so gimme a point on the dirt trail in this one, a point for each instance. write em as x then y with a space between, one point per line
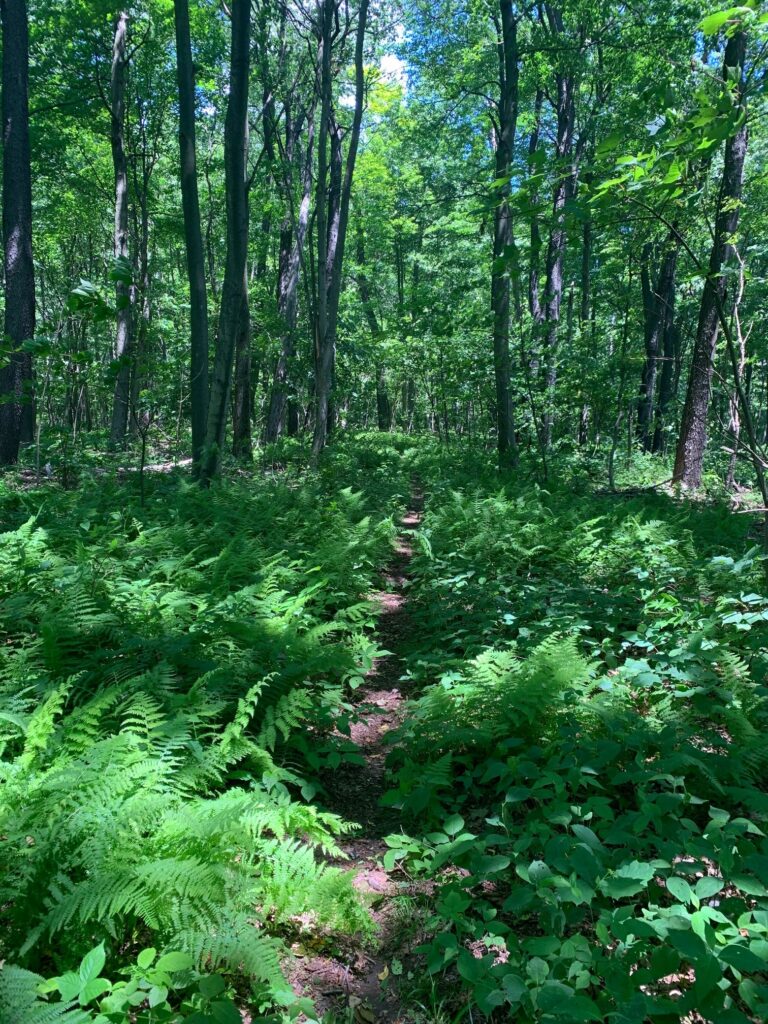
351 980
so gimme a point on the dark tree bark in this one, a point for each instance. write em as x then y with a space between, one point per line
383 404
193 235
234 297
656 302
534 299
509 75
123 289
668 377
293 234
563 190
16 408
692 441
332 210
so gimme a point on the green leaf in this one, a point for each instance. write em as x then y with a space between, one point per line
555 998
470 968
680 889
93 989
628 880
172 962
489 865
708 886
69 985
211 985
92 964
146 958
537 969
714 22
226 1013
453 825
586 835
741 958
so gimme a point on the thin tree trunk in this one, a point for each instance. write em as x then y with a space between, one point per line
656 300
509 75
383 404
292 241
565 111
198 297
234 300
16 406
333 218
667 380
124 333
534 299
734 412
692 441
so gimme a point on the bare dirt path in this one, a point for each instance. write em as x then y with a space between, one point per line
357 978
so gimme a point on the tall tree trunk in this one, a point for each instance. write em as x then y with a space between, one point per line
332 216
563 190
293 235
193 235
123 288
509 75
668 377
383 404
692 440
234 295
534 299
734 412
16 408
656 300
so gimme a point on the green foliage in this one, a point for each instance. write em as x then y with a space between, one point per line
159 669
588 756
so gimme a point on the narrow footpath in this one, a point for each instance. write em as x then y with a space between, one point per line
356 981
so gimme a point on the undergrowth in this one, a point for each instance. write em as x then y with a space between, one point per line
160 669
584 768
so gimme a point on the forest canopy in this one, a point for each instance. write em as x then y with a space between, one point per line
383 511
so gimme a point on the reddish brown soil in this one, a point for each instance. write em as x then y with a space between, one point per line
351 979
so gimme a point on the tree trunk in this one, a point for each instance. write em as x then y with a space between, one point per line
671 355
563 190
332 213
656 302
692 441
534 299
509 75
383 404
16 400
193 235
234 297
734 412
123 288
292 240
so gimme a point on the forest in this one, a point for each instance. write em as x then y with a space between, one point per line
384 512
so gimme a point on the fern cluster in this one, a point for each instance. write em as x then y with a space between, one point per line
155 667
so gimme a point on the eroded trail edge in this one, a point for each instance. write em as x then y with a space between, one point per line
356 977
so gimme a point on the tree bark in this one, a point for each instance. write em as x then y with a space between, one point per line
656 302
534 299
332 212
692 441
234 297
563 190
667 380
124 333
193 235
383 404
293 235
16 399
509 75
